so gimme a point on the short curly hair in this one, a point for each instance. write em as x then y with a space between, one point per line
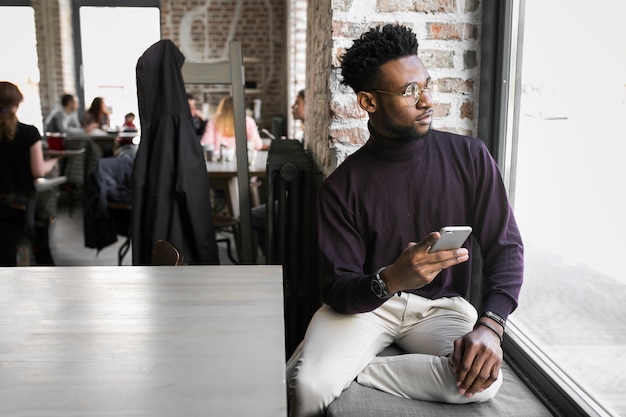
361 63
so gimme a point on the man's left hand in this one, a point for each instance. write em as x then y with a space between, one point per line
477 360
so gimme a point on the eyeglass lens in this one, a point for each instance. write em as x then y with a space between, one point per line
413 92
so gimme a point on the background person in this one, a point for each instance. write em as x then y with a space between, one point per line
379 284
65 119
298 109
199 122
220 130
21 162
129 122
96 119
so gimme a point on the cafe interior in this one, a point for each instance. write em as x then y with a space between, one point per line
129 313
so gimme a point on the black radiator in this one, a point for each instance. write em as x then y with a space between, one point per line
291 238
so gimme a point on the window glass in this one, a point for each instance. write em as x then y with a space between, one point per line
569 194
113 39
19 63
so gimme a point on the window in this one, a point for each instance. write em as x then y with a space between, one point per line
566 183
18 44
112 40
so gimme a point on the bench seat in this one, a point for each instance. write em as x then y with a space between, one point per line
514 399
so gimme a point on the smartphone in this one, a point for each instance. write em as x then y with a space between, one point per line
452 237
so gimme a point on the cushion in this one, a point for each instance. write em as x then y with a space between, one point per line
513 399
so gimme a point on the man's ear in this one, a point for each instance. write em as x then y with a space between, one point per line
367 101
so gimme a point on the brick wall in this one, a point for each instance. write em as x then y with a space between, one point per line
202 30
55 49
448 32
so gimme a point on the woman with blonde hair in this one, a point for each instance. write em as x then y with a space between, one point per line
220 129
21 162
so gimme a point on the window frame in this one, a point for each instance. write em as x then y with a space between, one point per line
16 3
500 78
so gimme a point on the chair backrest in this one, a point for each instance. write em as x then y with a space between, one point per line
164 253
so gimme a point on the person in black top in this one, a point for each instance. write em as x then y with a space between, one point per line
21 162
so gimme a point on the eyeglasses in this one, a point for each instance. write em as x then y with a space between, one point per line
412 93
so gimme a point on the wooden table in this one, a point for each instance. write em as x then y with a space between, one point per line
142 341
223 169
223 176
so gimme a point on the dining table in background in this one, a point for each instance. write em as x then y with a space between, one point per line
111 142
223 176
142 341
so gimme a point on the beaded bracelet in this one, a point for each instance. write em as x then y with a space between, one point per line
489 326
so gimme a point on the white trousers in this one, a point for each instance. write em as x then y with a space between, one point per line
338 348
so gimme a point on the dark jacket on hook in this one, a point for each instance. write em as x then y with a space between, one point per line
171 198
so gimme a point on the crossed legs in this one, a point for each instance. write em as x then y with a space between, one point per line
338 348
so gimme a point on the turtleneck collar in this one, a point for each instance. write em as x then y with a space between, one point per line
394 150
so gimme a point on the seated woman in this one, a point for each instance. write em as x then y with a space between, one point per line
96 120
21 162
220 130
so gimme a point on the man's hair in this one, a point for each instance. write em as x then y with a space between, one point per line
66 99
362 61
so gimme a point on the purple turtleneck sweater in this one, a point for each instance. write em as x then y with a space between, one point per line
391 192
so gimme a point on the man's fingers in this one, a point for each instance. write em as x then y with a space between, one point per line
483 377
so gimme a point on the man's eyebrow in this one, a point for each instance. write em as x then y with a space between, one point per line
428 80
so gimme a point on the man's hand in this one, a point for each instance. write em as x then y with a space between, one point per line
415 267
477 359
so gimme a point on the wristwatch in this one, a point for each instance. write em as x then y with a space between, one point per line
379 288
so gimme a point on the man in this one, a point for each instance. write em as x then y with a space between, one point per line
379 286
199 122
298 109
64 120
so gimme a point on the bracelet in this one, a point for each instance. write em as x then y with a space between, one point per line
493 316
489 326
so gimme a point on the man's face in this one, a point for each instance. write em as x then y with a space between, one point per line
297 110
393 117
73 105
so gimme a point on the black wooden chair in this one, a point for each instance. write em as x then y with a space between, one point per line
166 254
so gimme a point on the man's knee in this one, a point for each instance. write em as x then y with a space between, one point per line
456 398
312 389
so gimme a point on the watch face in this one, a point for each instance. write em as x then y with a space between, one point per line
377 288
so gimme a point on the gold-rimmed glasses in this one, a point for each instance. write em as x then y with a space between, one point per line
412 93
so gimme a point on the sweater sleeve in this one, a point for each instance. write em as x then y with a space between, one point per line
499 238
345 284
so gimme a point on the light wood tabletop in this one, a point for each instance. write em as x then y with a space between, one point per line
142 341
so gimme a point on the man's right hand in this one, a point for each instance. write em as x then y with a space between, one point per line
415 267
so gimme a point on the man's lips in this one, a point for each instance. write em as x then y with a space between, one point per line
425 117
